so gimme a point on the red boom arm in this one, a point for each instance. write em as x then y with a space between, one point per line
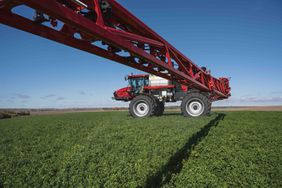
105 28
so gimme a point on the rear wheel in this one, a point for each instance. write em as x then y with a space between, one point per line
141 106
195 105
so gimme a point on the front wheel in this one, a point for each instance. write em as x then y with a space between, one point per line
159 109
141 106
195 105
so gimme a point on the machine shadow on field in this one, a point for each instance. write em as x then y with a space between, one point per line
175 163
170 113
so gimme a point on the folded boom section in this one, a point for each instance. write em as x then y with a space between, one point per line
105 28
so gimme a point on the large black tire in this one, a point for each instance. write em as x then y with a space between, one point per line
142 106
159 109
209 108
195 105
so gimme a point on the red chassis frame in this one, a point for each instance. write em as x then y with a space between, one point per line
124 38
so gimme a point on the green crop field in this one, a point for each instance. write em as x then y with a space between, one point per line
230 149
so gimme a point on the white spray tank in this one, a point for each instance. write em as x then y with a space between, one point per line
158 81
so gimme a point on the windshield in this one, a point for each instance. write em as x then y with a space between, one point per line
138 83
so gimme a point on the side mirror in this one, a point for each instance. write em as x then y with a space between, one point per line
126 78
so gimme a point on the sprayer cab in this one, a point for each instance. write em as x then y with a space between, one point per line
136 84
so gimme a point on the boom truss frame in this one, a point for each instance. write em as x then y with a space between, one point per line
107 29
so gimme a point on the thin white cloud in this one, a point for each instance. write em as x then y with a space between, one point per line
11 101
261 99
48 96
60 98
277 93
22 96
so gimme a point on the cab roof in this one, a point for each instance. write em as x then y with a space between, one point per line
139 76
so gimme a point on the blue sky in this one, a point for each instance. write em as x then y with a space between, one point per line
239 39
